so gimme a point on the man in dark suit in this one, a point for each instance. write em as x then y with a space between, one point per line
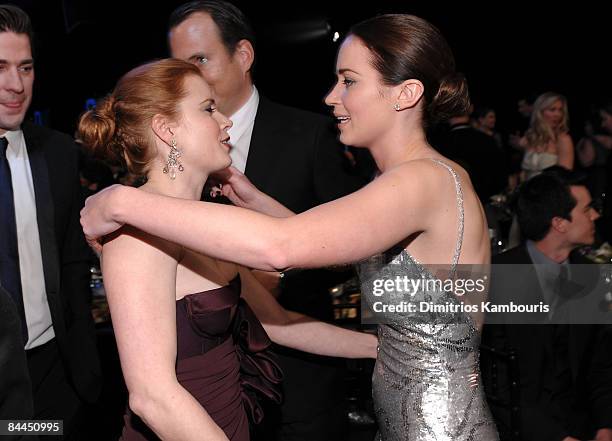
15 387
43 255
478 153
564 369
293 156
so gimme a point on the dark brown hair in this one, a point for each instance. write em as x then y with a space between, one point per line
232 23
117 128
407 47
14 19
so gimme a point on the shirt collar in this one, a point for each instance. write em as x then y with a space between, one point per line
544 264
244 117
15 140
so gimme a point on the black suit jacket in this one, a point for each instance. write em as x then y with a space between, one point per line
295 157
481 157
15 387
54 165
589 348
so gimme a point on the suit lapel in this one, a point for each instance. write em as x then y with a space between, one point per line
538 337
532 278
45 217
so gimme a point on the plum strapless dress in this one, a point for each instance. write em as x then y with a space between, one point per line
223 360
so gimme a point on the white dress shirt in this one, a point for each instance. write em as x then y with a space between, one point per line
38 315
242 130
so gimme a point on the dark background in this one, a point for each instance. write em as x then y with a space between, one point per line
506 49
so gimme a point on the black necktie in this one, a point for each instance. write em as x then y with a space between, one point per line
10 277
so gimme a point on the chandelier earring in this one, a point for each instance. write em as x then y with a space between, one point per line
173 163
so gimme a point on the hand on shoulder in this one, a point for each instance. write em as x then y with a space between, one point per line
98 216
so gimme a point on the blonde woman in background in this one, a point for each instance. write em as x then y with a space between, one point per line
547 141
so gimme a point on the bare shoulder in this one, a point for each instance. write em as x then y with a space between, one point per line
130 242
425 187
139 269
428 175
413 171
404 184
565 139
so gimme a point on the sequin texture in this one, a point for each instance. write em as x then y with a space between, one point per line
421 383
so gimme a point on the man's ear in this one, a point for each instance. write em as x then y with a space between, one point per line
245 55
560 224
409 94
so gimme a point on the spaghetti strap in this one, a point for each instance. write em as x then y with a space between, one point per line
460 211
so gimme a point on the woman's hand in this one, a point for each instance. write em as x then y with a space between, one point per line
97 216
235 186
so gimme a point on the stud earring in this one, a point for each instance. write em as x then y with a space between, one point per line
397 107
173 163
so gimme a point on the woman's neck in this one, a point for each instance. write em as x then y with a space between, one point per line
394 151
184 186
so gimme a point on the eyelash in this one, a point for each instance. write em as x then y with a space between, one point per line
348 82
201 60
211 109
24 69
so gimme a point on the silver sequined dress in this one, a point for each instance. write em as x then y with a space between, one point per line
421 382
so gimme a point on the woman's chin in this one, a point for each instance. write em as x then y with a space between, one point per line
344 138
221 165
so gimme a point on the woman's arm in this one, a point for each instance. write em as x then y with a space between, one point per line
346 230
297 331
565 150
140 279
